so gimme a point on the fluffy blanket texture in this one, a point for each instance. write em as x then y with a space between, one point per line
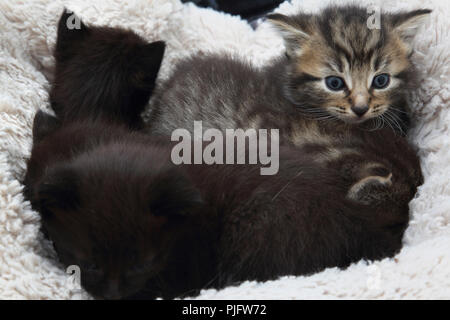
28 266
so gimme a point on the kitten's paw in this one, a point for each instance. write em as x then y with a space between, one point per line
373 187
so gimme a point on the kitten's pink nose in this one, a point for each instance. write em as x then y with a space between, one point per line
360 110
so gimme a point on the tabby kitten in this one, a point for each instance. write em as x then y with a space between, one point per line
335 68
138 226
338 86
88 86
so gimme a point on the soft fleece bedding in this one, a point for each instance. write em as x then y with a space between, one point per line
28 266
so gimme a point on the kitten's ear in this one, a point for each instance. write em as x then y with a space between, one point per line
174 195
70 30
152 55
293 33
43 125
58 190
406 24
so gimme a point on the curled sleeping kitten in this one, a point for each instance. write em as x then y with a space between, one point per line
140 227
335 69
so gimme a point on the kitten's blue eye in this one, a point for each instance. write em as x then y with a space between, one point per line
381 81
335 83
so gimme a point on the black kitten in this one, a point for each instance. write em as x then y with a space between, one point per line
103 72
110 201
336 76
247 9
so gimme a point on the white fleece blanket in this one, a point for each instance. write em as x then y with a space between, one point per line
28 267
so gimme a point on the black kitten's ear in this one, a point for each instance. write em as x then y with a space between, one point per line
152 55
70 29
174 195
293 31
58 190
43 125
406 24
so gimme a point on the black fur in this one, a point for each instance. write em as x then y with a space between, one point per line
103 72
140 227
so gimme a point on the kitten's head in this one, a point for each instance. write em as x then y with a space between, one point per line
116 214
341 68
102 71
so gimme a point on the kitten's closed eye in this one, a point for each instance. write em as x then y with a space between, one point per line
90 267
140 269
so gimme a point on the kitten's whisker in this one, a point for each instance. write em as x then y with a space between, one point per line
395 108
382 120
287 184
314 111
393 122
377 125
394 118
